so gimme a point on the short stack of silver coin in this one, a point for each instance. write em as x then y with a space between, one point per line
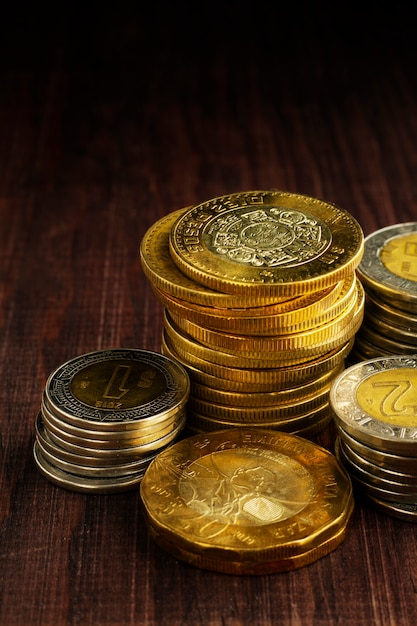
105 415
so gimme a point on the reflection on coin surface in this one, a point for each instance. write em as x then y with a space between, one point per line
389 263
117 389
267 242
247 495
375 402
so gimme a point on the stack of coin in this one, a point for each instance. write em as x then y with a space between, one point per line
388 272
261 306
247 501
105 415
374 403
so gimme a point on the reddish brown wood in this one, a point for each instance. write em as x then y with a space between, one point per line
109 119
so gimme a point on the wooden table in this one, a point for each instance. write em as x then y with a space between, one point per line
109 121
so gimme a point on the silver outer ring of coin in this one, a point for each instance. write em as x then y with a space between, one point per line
82 484
60 397
360 424
385 460
371 269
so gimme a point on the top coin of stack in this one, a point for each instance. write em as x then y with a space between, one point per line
261 305
388 272
105 415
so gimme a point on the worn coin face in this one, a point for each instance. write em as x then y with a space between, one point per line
117 389
266 242
389 264
375 401
247 495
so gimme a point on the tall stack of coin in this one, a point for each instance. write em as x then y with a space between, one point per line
247 501
388 272
261 305
374 403
105 415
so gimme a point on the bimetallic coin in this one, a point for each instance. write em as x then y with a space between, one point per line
159 268
267 243
375 400
403 511
389 264
117 389
247 496
84 484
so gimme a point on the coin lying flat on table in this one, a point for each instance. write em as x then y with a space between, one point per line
246 501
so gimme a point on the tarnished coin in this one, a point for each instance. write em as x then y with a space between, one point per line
403 511
389 264
117 389
269 243
375 401
250 498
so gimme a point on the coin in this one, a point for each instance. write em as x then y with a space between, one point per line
389 264
269 243
403 511
159 268
118 389
247 497
84 484
374 402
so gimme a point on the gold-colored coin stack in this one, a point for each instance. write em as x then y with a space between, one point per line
105 415
374 404
247 501
261 306
388 272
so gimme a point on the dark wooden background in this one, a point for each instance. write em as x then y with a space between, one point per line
111 116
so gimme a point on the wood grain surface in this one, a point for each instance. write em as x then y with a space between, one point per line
110 118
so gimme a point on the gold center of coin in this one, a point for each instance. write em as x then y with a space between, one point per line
399 256
390 396
247 487
117 384
271 236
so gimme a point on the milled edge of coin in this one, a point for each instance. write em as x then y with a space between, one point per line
360 424
332 263
62 401
161 271
374 273
166 479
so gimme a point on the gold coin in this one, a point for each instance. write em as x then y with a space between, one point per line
303 344
246 496
272 321
118 389
255 379
160 269
291 423
258 414
374 401
270 243
389 264
265 398
207 560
